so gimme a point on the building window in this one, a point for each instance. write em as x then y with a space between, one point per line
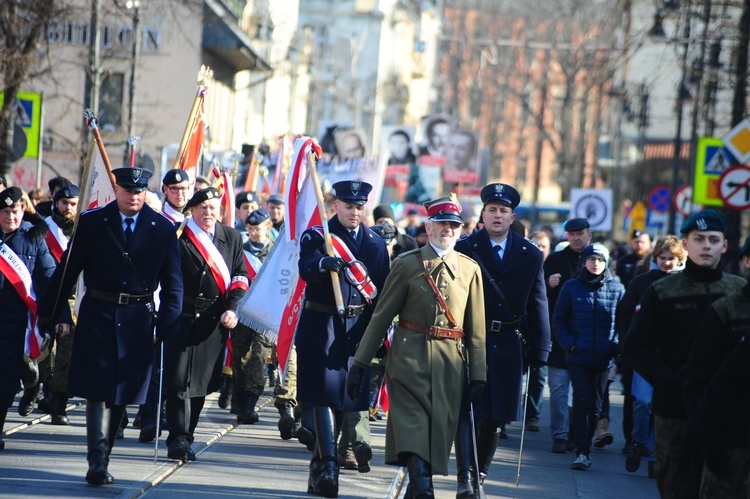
110 101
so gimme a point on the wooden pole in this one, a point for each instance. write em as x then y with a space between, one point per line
326 235
203 75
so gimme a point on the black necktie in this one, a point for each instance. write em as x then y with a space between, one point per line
353 234
128 229
498 251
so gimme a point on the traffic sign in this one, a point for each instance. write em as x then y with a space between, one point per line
659 199
28 115
737 140
734 187
638 217
683 201
594 205
711 160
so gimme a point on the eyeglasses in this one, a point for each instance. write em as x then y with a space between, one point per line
175 190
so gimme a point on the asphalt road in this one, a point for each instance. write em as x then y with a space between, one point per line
44 460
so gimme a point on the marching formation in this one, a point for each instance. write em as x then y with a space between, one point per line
141 307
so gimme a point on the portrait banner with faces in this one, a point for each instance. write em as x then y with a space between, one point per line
461 151
435 131
368 169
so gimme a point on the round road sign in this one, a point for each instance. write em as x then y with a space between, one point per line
658 199
683 201
734 187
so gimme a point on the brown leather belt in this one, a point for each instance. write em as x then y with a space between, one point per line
199 302
119 298
501 326
436 331
350 311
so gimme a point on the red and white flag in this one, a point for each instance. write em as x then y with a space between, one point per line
96 188
227 196
190 158
278 286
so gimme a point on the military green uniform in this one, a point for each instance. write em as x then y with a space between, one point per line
426 374
251 350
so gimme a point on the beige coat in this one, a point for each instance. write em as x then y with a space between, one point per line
425 375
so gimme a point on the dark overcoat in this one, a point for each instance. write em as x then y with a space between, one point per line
28 243
326 343
195 355
113 346
520 277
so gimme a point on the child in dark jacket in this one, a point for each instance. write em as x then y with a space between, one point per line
585 327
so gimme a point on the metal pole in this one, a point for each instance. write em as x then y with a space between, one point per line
681 90
523 427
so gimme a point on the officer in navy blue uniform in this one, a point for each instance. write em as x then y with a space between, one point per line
518 330
126 251
326 342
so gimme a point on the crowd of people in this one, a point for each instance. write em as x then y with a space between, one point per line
453 316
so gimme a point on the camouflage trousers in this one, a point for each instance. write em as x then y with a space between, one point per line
250 353
734 481
54 369
671 480
286 391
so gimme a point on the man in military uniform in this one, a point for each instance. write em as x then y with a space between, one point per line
175 186
215 279
558 268
244 203
276 208
325 340
518 327
383 214
61 223
662 334
437 294
126 251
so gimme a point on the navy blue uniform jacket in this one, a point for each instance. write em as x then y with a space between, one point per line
113 345
326 343
520 277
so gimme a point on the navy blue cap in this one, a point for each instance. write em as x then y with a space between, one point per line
500 193
245 197
68 192
175 176
132 179
257 217
203 195
385 230
705 220
10 196
352 191
576 224
276 199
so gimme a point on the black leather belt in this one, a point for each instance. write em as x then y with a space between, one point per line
199 302
120 298
350 311
501 327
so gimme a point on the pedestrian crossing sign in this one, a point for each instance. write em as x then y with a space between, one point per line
27 112
711 160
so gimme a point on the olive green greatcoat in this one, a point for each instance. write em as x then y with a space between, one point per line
425 375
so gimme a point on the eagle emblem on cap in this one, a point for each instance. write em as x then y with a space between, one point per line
356 186
499 188
177 177
136 174
8 200
209 195
701 224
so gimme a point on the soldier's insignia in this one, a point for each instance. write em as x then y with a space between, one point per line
499 188
702 225
178 177
209 195
136 174
8 201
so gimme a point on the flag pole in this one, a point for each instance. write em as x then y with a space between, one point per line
203 75
326 235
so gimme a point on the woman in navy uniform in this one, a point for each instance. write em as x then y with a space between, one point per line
326 342
518 328
195 356
126 251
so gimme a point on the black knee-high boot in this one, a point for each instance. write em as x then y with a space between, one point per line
465 472
97 441
420 478
487 438
325 435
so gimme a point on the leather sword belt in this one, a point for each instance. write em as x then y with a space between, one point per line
436 331
350 311
120 298
199 302
503 326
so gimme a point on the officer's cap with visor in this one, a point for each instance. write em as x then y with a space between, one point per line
445 209
500 193
132 179
352 191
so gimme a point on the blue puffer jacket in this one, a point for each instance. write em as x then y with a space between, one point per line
584 318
